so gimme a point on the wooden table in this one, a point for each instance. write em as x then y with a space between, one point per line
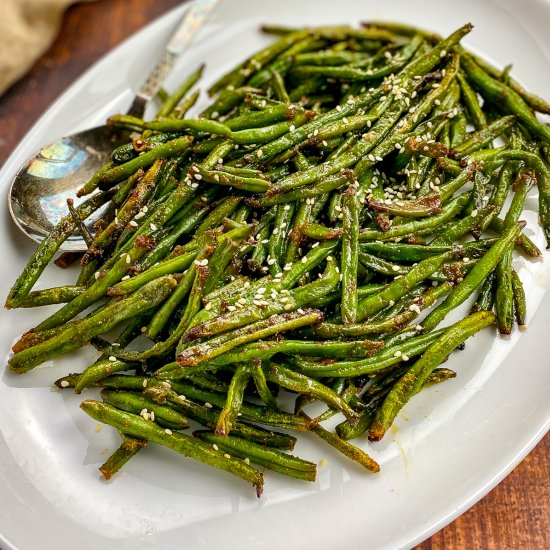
514 515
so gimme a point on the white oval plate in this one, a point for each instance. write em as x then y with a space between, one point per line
452 444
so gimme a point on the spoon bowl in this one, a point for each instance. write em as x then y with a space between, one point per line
39 192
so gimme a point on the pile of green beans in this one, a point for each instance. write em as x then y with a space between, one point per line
305 235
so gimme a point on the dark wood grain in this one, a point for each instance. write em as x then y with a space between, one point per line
516 514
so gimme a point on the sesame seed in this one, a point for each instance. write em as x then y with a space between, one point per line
128 258
231 308
208 306
288 307
96 275
292 128
405 357
226 455
338 108
134 223
271 261
208 405
152 226
247 460
304 259
125 278
397 354
145 383
168 431
64 384
474 213
465 259
215 447
443 53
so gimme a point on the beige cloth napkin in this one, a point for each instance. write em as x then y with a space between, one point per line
27 28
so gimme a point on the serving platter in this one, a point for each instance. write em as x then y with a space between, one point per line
451 444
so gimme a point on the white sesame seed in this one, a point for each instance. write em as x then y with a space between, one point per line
208 405
247 460
152 226
134 223
64 384
474 213
128 258
168 431
405 357
231 308
271 261
465 259
96 275
288 307
397 354
215 447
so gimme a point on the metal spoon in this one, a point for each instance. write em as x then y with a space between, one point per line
38 194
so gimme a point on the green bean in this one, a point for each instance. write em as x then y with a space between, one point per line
48 247
138 427
150 295
482 138
484 266
273 460
349 450
413 380
349 259
208 417
448 211
123 171
169 105
137 404
385 358
372 304
473 107
332 330
201 353
520 306
49 296
503 97
128 448
486 297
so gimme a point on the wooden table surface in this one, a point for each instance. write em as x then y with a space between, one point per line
516 514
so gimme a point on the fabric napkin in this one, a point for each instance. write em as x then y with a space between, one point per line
27 28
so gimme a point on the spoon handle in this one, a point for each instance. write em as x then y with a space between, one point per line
186 30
